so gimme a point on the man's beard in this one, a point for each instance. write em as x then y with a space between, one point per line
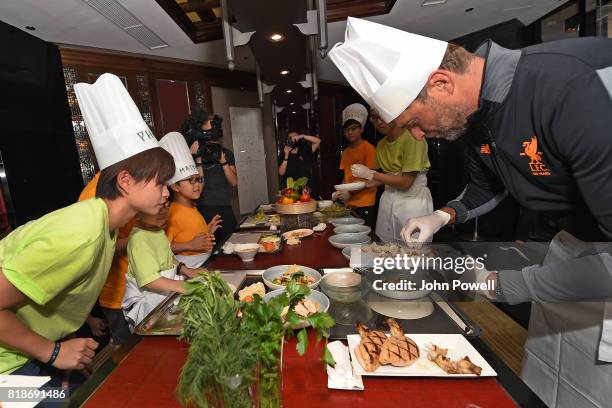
451 121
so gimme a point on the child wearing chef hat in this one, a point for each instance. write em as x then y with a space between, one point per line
53 268
153 271
192 239
361 152
378 62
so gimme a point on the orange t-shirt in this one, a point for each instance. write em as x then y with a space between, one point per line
364 153
90 189
114 287
184 223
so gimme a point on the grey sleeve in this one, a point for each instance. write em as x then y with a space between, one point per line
483 192
587 278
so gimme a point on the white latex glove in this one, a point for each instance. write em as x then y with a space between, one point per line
482 275
427 225
341 195
361 171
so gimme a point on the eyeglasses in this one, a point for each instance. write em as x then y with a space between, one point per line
194 179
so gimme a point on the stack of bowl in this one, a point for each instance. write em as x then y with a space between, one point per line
348 232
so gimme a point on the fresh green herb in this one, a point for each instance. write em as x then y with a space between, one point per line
223 356
265 322
225 350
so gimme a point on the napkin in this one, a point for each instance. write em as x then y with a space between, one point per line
360 259
320 227
342 377
228 248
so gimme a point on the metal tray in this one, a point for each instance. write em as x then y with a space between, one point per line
165 319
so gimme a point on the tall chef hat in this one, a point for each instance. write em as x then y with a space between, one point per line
175 144
355 111
386 66
116 128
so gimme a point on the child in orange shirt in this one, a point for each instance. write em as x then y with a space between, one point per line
191 238
358 151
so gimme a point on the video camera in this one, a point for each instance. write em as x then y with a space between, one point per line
192 131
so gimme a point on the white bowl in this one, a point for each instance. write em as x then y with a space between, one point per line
348 240
353 229
246 252
314 295
347 253
358 185
271 273
338 222
324 203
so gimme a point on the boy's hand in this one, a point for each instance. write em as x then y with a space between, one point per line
190 272
76 354
97 325
202 242
215 224
194 147
209 242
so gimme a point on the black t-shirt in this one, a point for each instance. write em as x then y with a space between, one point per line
299 164
217 189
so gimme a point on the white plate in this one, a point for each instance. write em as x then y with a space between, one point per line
400 309
347 221
315 295
358 185
347 253
458 347
269 274
298 233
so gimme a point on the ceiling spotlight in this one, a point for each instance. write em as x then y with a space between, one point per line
293 112
292 103
289 91
284 72
276 37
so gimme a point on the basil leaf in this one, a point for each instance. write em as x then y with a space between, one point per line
302 345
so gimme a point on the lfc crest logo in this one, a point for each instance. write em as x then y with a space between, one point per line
535 158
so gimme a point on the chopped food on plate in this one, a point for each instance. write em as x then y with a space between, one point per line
368 351
301 278
398 350
303 308
248 292
376 349
269 243
463 366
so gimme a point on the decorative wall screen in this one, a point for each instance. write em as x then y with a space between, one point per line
142 98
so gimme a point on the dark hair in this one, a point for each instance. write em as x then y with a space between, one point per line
144 166
351 122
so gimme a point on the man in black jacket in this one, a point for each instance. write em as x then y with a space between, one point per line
539 120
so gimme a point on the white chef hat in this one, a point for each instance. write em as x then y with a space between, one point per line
386 66
175 144
355 111
116 128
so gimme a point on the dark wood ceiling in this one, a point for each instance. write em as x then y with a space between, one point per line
201 19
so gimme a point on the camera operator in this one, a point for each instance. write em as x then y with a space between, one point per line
203 134
296 160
